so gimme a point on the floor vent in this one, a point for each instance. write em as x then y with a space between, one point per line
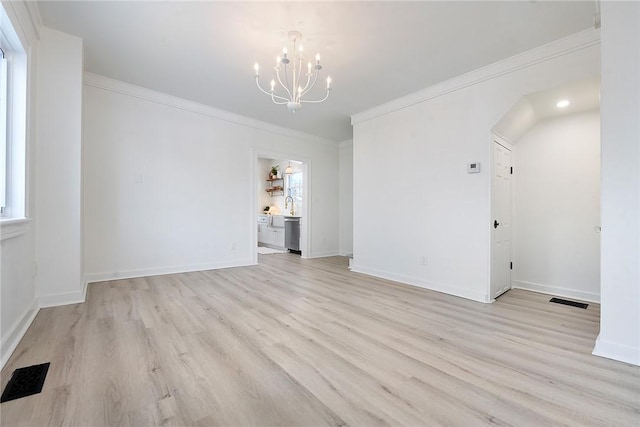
568 302
25 382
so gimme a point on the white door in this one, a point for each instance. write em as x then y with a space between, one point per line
501 221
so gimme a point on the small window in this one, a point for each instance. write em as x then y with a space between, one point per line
13 113
294 188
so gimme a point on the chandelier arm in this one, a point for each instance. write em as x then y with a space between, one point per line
280 80
286 101
294 86
318 100
297 85
286 80
307 88
271 94
259 87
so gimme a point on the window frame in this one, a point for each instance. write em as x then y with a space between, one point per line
13 107
298 189
4 107
14 221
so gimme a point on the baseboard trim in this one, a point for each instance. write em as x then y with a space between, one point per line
421 283
553 290
56 300
17 331
615 351
66 298
268 245
159 271
322 254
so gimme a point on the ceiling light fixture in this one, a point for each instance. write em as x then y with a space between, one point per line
288 170
562 104
291 79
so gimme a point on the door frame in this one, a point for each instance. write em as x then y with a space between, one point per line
496 138
305 228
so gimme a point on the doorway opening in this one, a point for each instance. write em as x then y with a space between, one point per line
281 203
545 194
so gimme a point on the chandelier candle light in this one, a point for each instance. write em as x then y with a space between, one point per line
292 85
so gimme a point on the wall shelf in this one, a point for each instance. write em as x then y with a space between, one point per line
275 189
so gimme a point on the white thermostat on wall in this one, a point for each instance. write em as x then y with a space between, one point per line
473 167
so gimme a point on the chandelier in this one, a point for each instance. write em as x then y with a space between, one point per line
290 77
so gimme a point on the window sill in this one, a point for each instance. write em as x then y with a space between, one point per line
13 227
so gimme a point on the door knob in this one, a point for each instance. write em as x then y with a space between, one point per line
495 223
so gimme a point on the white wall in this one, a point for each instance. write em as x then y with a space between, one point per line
58 178
413 197
620 108
346 197
169 186
556 207
264 199
517 121
18 303
17 290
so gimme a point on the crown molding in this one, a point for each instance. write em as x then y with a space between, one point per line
34 17
555 49
117 86
25 17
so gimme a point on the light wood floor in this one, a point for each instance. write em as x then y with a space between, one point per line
296 342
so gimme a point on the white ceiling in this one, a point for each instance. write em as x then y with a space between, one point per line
583 95
373 51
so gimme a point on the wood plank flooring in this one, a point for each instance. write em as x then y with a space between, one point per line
295 342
